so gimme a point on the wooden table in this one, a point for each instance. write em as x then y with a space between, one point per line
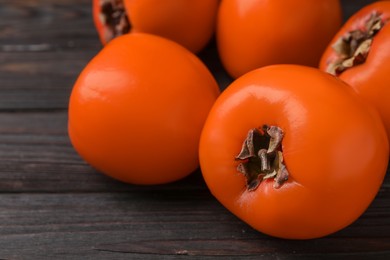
55 206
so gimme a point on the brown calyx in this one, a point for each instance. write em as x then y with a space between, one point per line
114 17
261 157
354 47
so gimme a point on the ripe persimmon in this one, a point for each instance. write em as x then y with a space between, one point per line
137 109
190 23
359 54
293 151
256 33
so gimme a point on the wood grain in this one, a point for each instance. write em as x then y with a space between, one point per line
163 222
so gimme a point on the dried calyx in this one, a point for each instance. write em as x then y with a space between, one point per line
113 16
261 157
352 49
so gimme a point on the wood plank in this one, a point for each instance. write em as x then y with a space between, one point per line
43 47
162 223
39 81
46 25
36 155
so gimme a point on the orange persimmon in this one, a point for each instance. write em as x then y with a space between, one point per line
359 54
190 23
137 109
256 33
293 151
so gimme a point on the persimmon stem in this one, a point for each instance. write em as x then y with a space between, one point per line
261 157
265 164
353 48
114 16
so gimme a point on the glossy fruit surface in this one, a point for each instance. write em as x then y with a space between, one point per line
137 109
359 54
293 152
256 33
190 23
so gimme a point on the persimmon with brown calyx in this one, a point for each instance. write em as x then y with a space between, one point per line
359 54
190 23
293 152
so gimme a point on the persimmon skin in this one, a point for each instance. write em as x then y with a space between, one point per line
252 34
137 109
371 78
335 149
190 23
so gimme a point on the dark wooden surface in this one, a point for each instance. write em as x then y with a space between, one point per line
55 206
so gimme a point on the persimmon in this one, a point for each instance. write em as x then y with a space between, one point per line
190 23
293 152
359 54
137 109
256 33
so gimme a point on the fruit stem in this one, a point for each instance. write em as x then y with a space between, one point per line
353 48
113 15
261 157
